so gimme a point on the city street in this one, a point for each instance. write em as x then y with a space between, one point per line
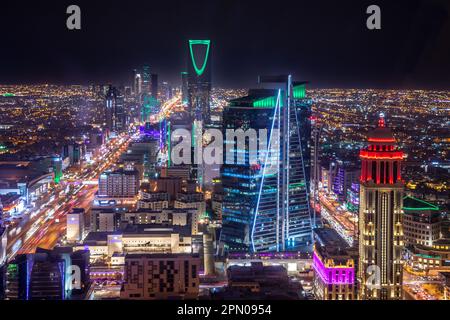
46 226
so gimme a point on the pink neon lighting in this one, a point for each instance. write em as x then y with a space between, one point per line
336 275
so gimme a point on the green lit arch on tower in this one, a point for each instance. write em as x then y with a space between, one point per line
207 43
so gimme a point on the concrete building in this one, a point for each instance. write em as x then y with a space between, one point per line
161 276
259 281
431 258
155 201
139 238
334 277
192 201
172 186
120 183
421 222
75 225
105 220
176 217
334 266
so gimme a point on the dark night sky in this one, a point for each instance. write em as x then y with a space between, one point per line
325 42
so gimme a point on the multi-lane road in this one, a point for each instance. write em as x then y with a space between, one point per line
45 226
343 221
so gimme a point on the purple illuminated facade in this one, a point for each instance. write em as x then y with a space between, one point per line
334 277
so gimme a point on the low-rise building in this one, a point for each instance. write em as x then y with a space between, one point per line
334 266
139 238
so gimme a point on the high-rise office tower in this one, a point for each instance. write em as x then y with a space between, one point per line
199 80
146 81
184 88
47 274
166 90
138 86
380 217
122 117
116 118
266 206
154 86
282 217
133 81
241 181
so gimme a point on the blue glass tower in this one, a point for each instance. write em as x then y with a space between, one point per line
274 215
241 181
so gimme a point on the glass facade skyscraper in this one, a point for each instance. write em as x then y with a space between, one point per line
146 79
266 206
241 181
116 117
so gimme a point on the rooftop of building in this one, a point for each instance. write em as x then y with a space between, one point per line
99 236
381 134
253 96
164 256
339 255
156 229
328 237
170 210
414 204
122 171
256 269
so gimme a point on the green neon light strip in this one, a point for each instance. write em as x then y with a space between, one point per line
268 102
299 92
428 206
296 185
419 209
202 42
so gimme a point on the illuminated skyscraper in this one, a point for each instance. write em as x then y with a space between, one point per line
199 80
268 210
184 88
138 86
282 217
116 117
380 217
241 181
146 81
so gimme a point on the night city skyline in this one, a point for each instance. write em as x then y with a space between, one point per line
225 158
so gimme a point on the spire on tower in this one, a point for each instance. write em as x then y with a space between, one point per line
381 120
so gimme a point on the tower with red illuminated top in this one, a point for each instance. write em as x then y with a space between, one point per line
380 217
